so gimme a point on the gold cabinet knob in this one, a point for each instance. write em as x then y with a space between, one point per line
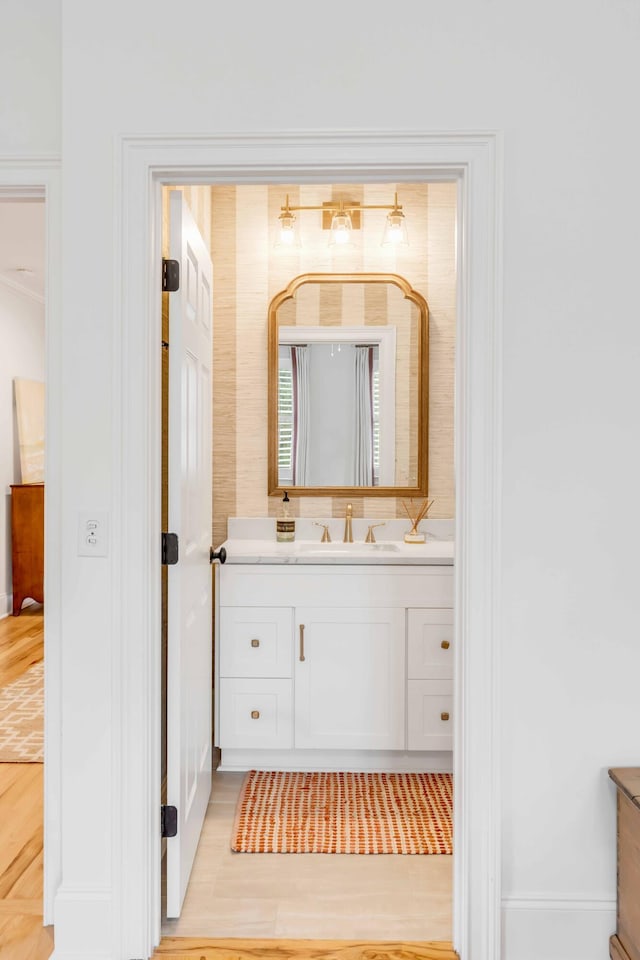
444 716
255 642
445 644
255 714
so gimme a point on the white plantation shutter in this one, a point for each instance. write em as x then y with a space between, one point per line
285 420
375 389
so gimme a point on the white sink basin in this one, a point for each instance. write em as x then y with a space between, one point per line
314 552
332 549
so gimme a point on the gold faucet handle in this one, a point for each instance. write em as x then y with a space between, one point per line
326 537
370 538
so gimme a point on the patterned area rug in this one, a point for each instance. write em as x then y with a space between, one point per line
22 718
344 813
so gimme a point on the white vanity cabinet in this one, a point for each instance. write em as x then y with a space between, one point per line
430 679
362 680
349 678
255 689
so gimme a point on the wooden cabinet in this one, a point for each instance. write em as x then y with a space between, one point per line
27 543
349 678
363 681
625 943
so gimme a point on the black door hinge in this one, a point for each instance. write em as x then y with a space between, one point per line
170 275
169 549
169 821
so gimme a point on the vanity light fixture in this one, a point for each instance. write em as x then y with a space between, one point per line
288 237
341 229
341 218
395 231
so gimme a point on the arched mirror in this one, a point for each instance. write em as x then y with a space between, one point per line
348 387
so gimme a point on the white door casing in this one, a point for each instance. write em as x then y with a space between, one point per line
189 659
145 162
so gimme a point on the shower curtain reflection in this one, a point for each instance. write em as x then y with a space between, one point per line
328 409
301 415
363 474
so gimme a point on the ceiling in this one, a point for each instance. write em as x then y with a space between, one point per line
22 246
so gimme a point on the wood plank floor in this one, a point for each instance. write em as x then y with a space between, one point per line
22 936
21 643
192 949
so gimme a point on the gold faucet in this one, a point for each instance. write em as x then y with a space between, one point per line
326 536
370 537
348 532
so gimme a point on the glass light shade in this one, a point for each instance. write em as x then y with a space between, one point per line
341 229
288 238
395 230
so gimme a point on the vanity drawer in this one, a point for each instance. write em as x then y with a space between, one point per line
256 713
256 641
429 715
430 644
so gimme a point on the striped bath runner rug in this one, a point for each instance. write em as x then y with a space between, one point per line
283 812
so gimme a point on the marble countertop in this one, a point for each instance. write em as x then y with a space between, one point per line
391 552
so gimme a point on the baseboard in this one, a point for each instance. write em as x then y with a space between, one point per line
6 605
388 761
83 955
554 929
83 921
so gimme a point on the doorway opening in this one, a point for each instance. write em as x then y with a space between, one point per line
148 162
22 524
233 895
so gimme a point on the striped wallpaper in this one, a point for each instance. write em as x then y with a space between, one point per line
239 222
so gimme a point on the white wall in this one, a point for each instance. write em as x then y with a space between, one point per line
21 355
559 80
30 80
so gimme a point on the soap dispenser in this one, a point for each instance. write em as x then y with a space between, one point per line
285 525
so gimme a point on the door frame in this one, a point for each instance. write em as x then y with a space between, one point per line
143 165
28 178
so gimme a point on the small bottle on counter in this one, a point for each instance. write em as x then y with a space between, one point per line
285 525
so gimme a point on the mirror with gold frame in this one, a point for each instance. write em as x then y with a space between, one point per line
348 387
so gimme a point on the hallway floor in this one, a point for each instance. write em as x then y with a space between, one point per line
22 936
339 897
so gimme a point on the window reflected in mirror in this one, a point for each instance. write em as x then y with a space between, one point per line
329 416
348 386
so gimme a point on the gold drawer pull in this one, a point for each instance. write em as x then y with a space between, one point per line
255 642
255 714
301 642
444 716
445 644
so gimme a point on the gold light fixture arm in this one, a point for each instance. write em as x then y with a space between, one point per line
341 217
341 206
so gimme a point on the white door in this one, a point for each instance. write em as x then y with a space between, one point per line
189 665
350 678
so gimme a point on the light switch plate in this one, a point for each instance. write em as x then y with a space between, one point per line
93 533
